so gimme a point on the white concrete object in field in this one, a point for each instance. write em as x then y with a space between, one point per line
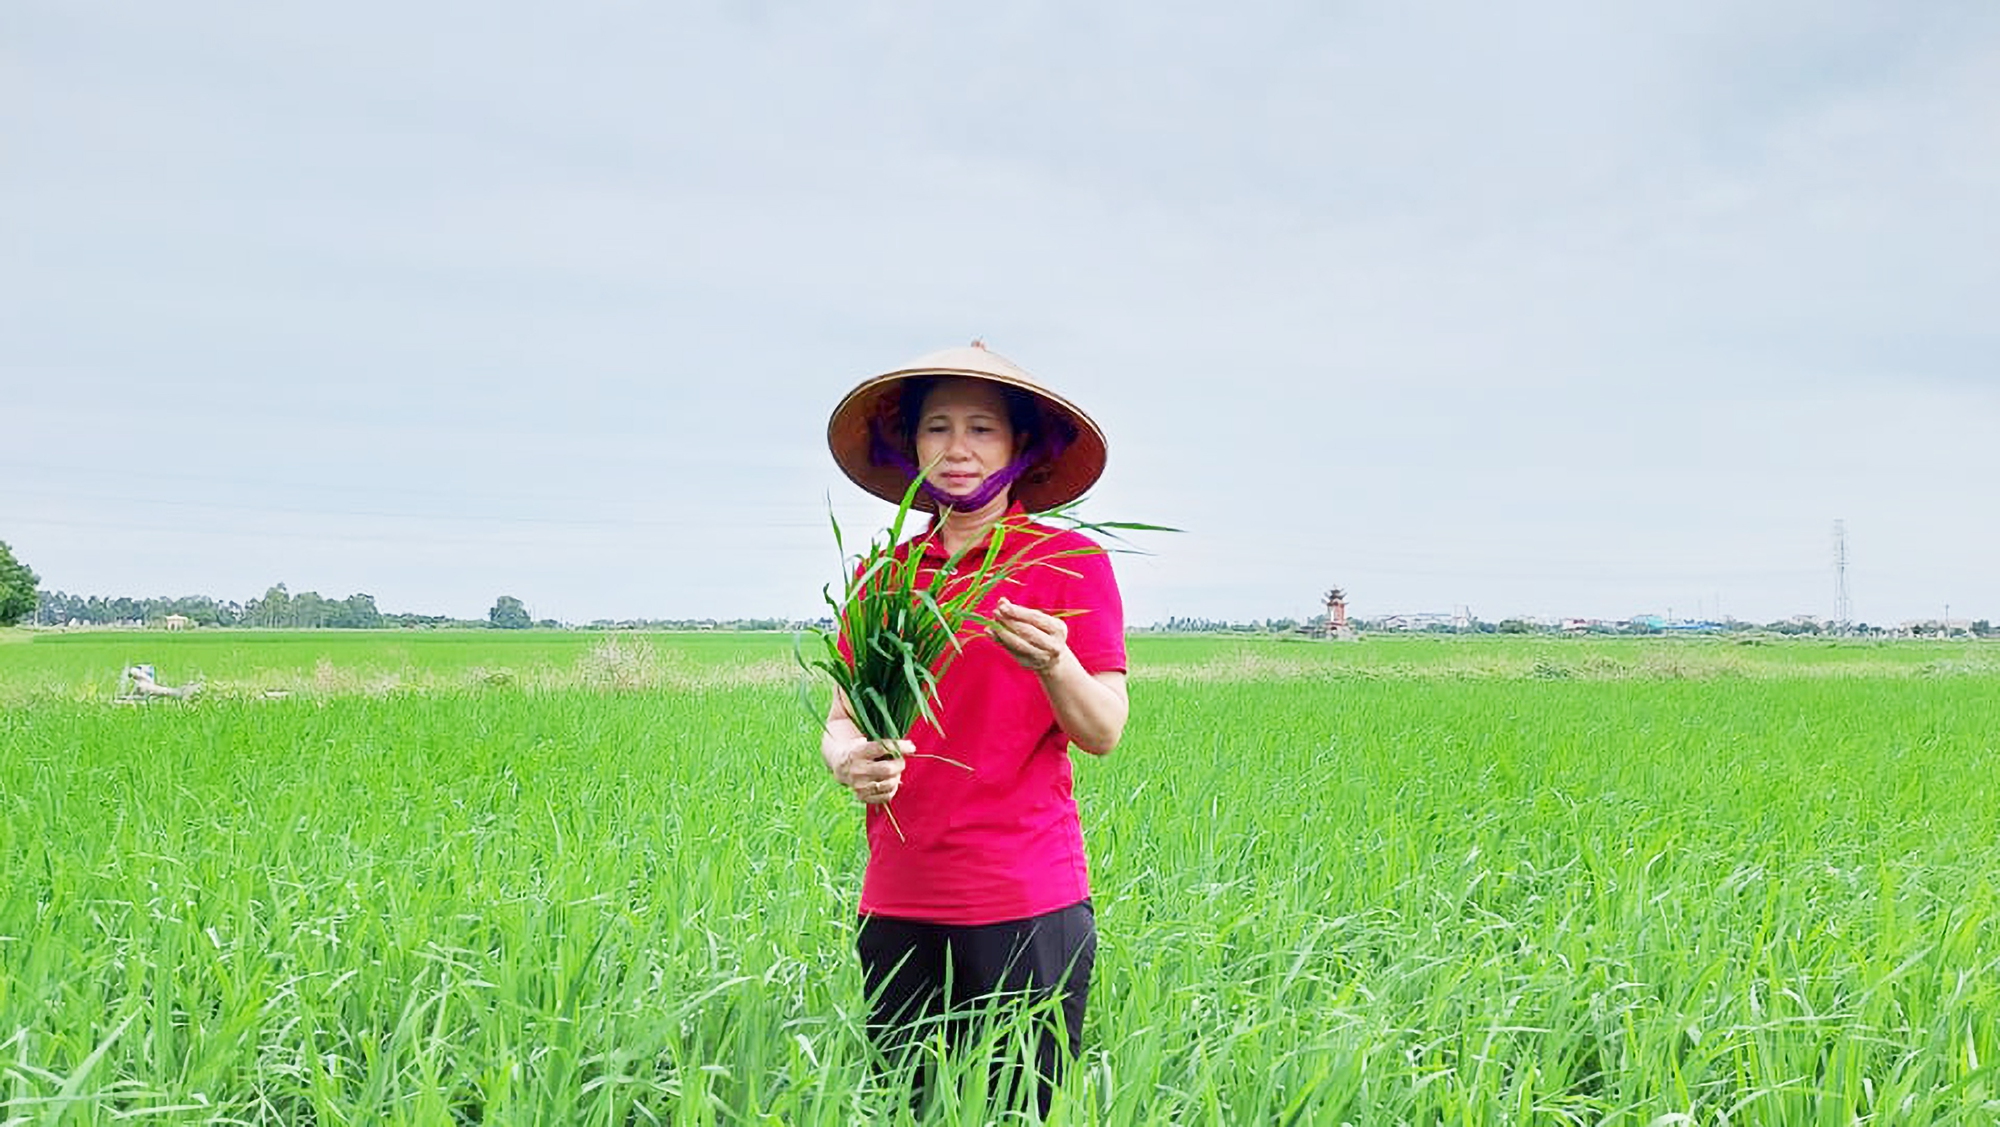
138 684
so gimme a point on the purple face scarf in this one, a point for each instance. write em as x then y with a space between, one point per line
882 452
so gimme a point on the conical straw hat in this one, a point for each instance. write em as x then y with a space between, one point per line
877 402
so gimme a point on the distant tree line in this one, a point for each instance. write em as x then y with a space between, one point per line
1187 625
278 608
724 624
1179 624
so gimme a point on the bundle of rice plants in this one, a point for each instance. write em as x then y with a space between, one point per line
898 623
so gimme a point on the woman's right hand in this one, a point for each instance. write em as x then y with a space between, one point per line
873 769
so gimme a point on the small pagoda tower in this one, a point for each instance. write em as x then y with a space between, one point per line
1337 625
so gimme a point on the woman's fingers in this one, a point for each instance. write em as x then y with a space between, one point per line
866 759
1035 639
874 770
878 780
1012 612
872 765
1018 642
1034 652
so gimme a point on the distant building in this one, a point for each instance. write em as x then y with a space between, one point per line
1936 628
177 622
1424 621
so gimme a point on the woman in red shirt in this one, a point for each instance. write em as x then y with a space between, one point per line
980 888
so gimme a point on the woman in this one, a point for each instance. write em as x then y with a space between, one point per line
978 887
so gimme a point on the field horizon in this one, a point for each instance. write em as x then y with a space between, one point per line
251 661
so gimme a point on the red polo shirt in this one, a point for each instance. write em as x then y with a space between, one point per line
1002 840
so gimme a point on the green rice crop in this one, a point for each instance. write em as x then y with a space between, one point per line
1402 881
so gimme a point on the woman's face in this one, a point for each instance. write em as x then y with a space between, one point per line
963 434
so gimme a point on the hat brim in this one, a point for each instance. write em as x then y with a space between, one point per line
1050 485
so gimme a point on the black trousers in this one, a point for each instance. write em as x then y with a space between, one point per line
925 978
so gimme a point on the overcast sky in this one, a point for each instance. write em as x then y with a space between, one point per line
1553 309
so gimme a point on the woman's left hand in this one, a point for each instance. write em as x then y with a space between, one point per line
1037 640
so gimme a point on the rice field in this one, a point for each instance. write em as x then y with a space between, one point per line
555 878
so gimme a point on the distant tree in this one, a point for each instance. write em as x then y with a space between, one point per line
1515 626
200 609
509 614
416 621
1791 627
310 609
274 609
18 585
357 612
